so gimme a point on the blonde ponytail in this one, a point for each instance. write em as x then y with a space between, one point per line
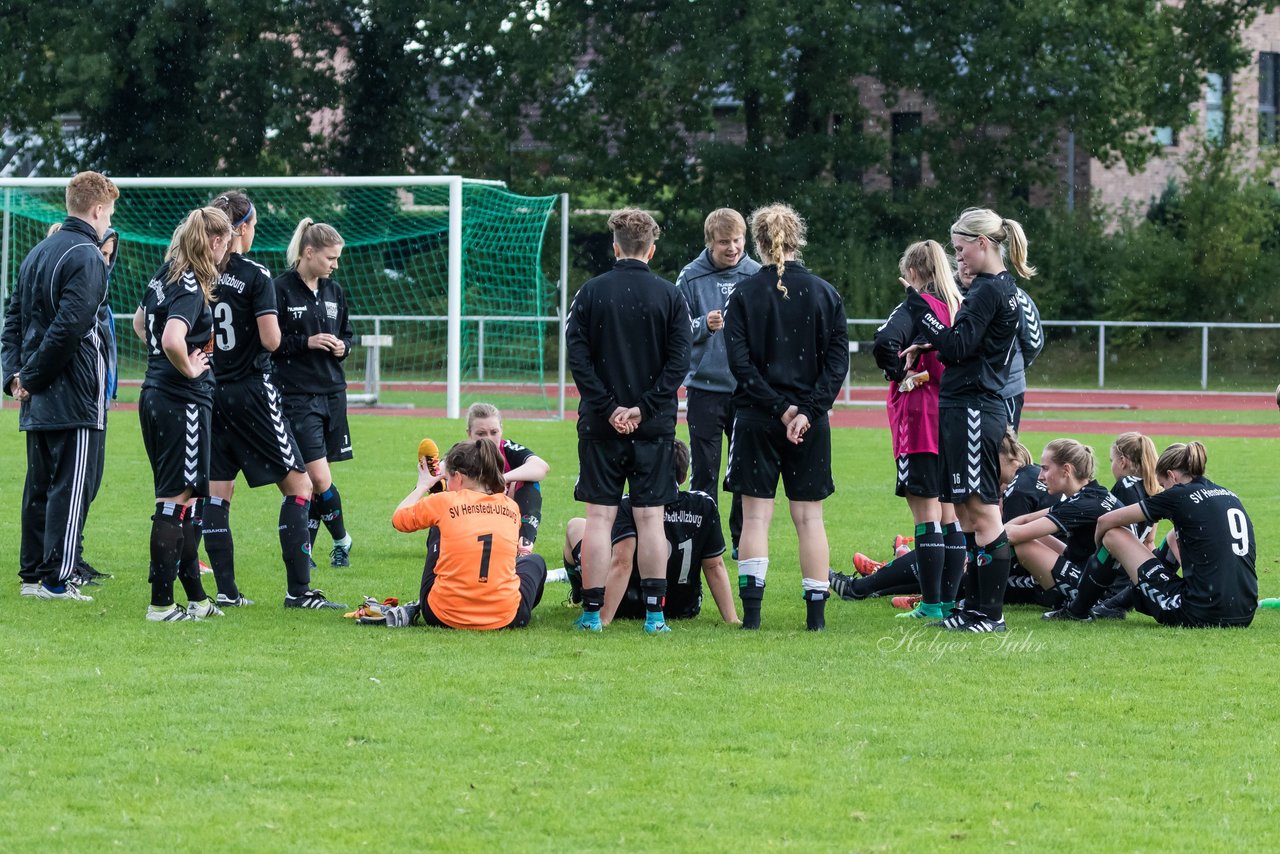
778 230
310 234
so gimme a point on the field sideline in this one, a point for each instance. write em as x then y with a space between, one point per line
274 730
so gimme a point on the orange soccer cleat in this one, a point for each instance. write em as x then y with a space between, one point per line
865 565
904 603
902 545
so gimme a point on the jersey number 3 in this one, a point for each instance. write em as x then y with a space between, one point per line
226 333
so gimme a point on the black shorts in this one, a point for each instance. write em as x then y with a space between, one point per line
1160 596
176 434
250 434
530 569
684 602
319 424
643 465
969 452
919 475
759 452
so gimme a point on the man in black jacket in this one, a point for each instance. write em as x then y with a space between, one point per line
627 339
55 357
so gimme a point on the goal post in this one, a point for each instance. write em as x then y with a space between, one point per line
458 272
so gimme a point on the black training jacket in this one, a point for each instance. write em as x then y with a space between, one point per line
786 350
303 313
55 336
627 340
978 347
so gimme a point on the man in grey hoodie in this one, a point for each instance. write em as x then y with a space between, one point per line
707 282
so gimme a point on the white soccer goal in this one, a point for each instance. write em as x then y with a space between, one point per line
444 275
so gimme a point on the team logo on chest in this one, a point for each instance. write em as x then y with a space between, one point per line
331 310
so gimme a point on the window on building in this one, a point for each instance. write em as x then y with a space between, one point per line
906 152
1213 118
1268 96
1166 136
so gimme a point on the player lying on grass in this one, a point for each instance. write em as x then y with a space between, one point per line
472 578
1219 583
522 469
695 547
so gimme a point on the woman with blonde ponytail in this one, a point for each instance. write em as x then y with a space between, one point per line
315 338
788 350
1217 550
176 405
913 422
977 348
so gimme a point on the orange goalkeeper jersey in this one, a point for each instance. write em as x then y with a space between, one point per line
476 585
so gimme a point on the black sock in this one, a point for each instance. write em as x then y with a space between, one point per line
313 524
592 598
1097 577
815 604
751 592
331 512
196 511
1066 578
956 553
895 575
189 565
995 559
218 542
654 593
295 543
930 559
166 551
1122 601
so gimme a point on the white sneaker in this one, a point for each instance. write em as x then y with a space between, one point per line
204 608
172 614
68 591
228 602
30 588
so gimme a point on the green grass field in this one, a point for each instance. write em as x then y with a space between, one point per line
270 730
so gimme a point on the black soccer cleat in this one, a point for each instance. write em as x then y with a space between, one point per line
1103 611
842 585
313 599
340 556
1064 614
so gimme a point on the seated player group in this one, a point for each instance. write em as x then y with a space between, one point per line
245 376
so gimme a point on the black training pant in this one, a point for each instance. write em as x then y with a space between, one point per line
710 417
64 470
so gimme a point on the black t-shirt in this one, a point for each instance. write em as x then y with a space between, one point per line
1130 490
692 526
244 293
181 300
297 369
978 346
1218 549
1025 494
514 456
1077 519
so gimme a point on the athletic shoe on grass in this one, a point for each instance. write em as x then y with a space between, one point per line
171 614
313 599
204 608
865 565
841 585
63 591
1064 614
905 603
340 556
224 601
902 545
30 588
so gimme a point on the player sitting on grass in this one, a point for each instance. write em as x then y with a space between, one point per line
1055 543
472 578
1219 582
522 469
695 546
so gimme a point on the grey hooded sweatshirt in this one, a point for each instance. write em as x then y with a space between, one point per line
707 288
